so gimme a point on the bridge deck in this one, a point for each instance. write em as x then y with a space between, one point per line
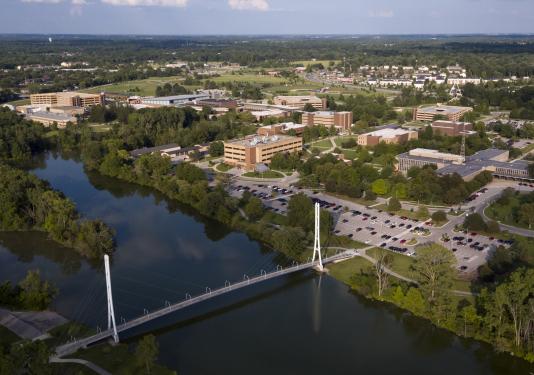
72 347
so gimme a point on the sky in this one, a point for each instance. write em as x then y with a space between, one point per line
224 17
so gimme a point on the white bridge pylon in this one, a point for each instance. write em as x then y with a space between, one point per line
111 310
317 240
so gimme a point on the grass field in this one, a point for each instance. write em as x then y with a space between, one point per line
344 271
361 201
268 174
401 212
223 167
325 63
147 87
324 144
7 337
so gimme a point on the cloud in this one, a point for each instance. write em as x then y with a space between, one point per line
383 13
261 5
43 1
133 3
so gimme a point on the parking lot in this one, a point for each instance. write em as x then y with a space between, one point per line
375 227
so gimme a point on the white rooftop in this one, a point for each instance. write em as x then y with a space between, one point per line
388 133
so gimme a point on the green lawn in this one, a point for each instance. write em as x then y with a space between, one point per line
527 148
147 87
268 174
361 201
349 154
402 264
340 140
305 63
344 271
222 167
401 212
324 143
507 214
249 78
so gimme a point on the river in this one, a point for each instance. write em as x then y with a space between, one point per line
300 324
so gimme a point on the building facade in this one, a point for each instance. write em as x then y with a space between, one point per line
340 120
452 113
451 128
283 128
248 152
388 136
50 118
299 102
491 160
67 99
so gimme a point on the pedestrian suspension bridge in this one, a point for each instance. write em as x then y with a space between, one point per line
113 330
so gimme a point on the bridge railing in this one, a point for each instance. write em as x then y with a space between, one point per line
169 308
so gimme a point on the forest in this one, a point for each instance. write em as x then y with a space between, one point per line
28 203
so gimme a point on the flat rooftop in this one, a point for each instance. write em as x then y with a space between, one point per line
261 140
51 116
443 109
175 97
388 132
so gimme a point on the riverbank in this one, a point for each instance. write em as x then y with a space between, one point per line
450 314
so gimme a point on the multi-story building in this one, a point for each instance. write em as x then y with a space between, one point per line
299 102
67 99
341 120
451 128
387 135
248 152
429 113
283 128
492 160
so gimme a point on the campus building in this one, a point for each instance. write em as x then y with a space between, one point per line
283 128
51 118
299 102
173 151
492 160
428 113
66 99
387 135
341 120
451 128
174 100
248 152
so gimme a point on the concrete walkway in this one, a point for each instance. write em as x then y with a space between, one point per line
83 362
30 325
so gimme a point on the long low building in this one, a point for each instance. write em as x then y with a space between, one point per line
67 99
174 100
451 128
387 135
51 118
492 160
450 112
248 152
299 102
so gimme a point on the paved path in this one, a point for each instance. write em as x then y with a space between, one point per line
30 325
83 362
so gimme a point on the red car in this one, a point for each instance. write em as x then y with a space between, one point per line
473 234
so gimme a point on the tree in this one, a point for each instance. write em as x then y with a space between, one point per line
439 217
147 352
369 195
434 270
493 227
254 209
515 298
383 261
422 213
475 222
380 187
216 148
309 108
35 294
469 314
300 211
414 301
394 205
526 214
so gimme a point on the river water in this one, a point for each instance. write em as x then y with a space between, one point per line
300 324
